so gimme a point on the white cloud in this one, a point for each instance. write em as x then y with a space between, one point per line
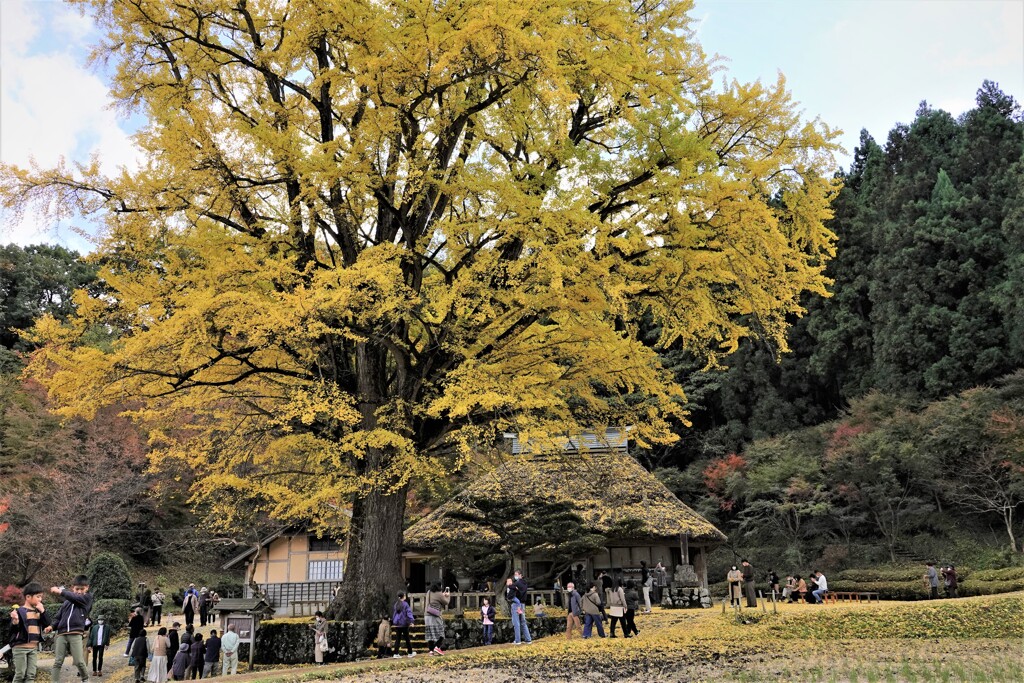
75 26
52 106
955 105
19 25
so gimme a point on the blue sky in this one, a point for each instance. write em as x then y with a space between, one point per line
869 63
855 63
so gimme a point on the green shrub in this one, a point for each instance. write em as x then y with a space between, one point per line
109 577
1008 574
887 590
288 642
906 583
991 587
993 618
114 612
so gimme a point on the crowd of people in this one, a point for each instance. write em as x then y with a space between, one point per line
185 654
743 585
167 653
182 655
814 587
606 600
198 603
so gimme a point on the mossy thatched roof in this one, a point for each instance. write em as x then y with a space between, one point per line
610 492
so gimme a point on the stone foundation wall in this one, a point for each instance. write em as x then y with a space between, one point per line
685 597
291 642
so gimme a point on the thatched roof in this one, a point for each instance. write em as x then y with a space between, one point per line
609 492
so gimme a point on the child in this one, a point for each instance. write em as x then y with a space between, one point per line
70 625
28 623
487 613
538 608
401 619
383 641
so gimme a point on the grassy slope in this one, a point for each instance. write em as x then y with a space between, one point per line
969 639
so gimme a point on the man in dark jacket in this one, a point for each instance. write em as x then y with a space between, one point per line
99 639
572 617
212 655
69 624
190 604
950 580
196 653
520 628
172 636
28 623
204 606
136 625
139 654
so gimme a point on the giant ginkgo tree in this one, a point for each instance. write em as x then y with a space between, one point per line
369 235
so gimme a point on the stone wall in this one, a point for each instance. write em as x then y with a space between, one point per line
674 597
462 633
291 642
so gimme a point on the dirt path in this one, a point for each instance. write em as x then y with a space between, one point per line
115 664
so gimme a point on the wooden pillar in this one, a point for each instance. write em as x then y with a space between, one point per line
684 547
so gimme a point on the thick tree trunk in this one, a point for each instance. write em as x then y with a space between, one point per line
373 575
499 588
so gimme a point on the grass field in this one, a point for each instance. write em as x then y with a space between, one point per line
973 639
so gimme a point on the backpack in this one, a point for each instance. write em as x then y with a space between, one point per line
398 615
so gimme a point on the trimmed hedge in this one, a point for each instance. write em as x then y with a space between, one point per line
108 577
991 618
1008 574
291 641
114 612
907 583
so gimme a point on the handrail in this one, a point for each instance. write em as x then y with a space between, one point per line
470 600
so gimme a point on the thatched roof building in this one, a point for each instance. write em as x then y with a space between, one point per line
639 518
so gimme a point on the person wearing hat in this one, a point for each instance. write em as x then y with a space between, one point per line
204 605
136 626
99 638
181 661
69 625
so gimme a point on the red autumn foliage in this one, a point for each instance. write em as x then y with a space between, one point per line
717 474
844 433
10 595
